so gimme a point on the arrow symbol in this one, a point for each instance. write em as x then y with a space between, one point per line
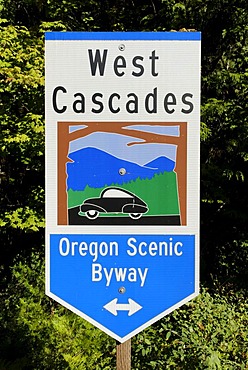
131 306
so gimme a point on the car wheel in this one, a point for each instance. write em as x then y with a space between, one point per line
135 216
92 214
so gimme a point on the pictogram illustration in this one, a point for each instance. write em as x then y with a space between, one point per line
122 173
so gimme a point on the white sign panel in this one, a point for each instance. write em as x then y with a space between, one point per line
122 175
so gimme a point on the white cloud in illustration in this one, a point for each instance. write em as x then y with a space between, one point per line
160 130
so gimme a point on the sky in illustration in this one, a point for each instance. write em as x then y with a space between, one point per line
116 144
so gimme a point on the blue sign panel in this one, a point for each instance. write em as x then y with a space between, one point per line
122 282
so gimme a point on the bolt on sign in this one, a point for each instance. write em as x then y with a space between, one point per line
122 175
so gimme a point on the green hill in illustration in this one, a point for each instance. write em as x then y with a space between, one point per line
159 193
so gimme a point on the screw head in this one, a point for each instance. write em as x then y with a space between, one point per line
122 171
122 290
121 47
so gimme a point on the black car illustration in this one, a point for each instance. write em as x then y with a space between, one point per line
114 200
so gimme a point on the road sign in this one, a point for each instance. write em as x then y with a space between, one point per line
122 175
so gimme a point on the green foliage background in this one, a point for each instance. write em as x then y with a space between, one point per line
209 332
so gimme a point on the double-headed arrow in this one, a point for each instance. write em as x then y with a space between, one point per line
131 306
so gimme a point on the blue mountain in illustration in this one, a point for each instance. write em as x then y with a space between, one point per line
161 163
96 168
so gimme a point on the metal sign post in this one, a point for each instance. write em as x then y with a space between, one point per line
122 176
